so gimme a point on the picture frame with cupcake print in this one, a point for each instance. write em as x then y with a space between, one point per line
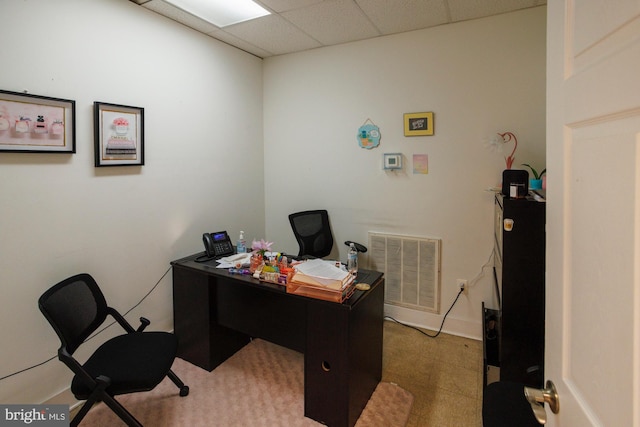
36 124
118 135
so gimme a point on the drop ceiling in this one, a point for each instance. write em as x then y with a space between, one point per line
297 25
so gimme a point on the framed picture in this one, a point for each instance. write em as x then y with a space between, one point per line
418 124
36 124
119 134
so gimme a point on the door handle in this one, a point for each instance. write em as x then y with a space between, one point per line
537 398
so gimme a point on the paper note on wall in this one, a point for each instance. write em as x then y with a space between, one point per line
420 164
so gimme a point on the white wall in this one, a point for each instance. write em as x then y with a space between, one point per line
203 105
60 216
478 77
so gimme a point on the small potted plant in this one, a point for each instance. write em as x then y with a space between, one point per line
535 183
258 251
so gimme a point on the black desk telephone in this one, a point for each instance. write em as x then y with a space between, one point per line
217 244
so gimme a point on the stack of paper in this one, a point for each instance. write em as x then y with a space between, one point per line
235 261
317 272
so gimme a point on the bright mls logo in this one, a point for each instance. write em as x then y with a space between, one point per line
37 415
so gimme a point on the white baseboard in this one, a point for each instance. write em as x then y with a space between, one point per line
426 320
65 397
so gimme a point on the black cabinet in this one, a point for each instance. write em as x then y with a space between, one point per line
514 329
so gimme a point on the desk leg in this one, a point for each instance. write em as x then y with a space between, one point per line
201 340
326 366
343 358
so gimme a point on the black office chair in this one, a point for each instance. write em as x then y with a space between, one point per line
133 362
313 233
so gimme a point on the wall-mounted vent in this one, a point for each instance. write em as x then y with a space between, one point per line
411 267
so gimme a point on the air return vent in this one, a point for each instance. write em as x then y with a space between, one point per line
411 267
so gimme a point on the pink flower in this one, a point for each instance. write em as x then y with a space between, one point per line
121 121
261 247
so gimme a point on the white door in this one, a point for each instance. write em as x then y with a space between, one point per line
593 211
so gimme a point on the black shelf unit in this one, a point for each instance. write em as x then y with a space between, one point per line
514 330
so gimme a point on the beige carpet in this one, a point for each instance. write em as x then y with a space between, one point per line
261 385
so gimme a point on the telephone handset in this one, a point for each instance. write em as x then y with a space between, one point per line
217 244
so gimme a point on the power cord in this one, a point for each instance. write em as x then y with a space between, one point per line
441 325
472 281
95 334
169 269
485 265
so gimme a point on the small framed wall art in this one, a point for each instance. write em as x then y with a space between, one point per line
118 134
418 124
36 124
369 135
420 164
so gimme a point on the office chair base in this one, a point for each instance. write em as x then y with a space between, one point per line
120 410
184 391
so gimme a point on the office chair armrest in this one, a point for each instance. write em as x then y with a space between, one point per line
65 357
120 319
144 322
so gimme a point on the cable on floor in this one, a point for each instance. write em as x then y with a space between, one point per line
441 325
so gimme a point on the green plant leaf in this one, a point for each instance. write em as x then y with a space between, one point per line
535 172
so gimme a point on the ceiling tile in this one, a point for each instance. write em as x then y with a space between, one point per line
273 34
239 43
297 25
333 22
284 5
462 10
405 15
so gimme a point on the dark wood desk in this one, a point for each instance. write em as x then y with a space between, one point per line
216 314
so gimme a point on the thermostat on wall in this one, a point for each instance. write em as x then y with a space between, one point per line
392 161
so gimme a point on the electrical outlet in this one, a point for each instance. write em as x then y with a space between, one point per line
464 285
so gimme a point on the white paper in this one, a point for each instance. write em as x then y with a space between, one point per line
233 260
321 268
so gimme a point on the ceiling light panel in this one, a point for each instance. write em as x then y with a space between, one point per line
222 12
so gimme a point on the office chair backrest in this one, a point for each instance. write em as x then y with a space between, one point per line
75 308
313 233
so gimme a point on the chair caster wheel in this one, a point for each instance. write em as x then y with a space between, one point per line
184 390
